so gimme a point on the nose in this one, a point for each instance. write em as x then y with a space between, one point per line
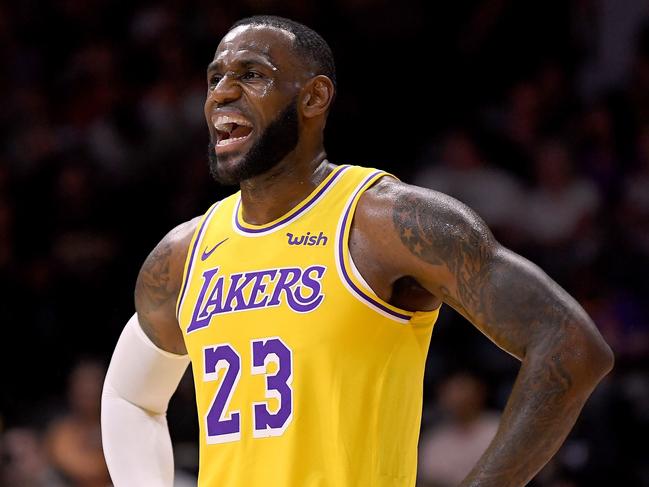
226 91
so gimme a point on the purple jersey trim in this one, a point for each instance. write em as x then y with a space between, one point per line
341 262
199 237
310 202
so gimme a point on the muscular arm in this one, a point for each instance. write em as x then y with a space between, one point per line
157 288
451 253
145 369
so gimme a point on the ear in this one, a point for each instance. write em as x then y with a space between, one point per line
318 93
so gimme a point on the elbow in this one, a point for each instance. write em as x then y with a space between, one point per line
603 359
593 355
579 354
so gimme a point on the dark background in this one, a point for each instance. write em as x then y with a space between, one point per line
542 106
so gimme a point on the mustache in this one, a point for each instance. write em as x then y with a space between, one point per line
269 147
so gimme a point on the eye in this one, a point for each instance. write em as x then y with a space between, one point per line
214 80
251 75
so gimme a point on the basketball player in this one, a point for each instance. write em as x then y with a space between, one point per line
305 303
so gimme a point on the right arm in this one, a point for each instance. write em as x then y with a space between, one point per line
147 365
157 288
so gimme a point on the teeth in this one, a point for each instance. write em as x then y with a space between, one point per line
224 123
224 142
225 127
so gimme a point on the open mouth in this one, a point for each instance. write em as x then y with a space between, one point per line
231 129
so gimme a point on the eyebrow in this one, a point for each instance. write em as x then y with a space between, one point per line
246 62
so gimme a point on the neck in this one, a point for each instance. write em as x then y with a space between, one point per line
268 196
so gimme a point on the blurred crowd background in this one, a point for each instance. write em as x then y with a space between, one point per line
534 113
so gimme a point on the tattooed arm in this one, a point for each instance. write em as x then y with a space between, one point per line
146 367
450 252
157 288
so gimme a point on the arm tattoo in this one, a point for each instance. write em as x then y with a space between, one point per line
155 293
154 279
454 243
506 297
521 310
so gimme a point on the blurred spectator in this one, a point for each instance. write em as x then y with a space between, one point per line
636 197
596 150
562 205
462 172
25 462
523 117
609 41
560 212
74 440
451 448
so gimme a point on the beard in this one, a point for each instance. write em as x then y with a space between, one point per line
274 144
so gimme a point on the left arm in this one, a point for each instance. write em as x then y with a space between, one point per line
449 250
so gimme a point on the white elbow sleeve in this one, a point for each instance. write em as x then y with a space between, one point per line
140 381
142 373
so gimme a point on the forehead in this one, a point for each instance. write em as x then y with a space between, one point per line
266 43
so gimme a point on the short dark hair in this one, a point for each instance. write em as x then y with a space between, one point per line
308 43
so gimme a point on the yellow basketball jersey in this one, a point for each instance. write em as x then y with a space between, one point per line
304 376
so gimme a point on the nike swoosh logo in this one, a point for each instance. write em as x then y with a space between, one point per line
206 253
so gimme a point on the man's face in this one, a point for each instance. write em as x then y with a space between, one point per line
251 105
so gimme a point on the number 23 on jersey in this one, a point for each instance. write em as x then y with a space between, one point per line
224 426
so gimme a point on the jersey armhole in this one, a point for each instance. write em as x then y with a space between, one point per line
191 255
352 278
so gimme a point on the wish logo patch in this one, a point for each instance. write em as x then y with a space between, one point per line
307 239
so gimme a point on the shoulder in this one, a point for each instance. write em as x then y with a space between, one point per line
405 205
419 224
179 237
169 255
158 284
389 192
